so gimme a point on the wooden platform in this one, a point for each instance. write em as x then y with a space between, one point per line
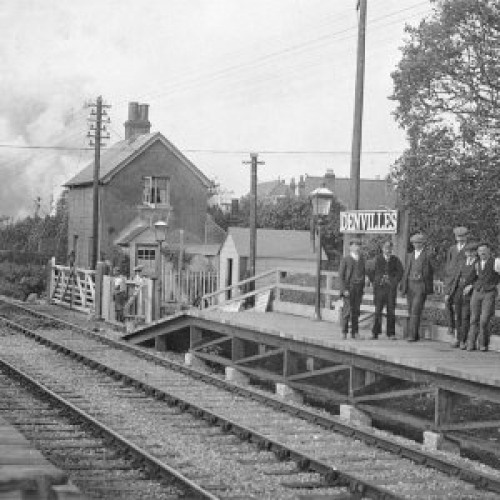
313 357
26 473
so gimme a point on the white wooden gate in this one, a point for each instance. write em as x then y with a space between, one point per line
73 287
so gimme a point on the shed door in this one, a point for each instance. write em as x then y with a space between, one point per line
146 257
229 276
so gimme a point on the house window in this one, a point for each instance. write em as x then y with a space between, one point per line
156 191
146 257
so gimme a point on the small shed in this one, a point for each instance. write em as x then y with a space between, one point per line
286 249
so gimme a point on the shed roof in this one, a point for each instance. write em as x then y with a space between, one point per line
278 243
119 155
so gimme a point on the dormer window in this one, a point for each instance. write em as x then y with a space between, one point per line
156 191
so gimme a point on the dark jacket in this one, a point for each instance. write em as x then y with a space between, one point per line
346 272
466 275
427 273
487 278
393 269
453 264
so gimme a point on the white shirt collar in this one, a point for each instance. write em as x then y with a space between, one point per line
355 256
417 253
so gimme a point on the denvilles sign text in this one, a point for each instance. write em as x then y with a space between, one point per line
369 221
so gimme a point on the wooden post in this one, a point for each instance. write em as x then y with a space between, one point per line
195 336
445 402
238 349
99 273
357 380
50 279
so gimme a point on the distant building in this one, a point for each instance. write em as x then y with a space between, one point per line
143 179
374 193
286 249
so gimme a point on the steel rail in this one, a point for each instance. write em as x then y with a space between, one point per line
145 460
333 477
478 479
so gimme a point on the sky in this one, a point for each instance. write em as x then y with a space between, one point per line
223 78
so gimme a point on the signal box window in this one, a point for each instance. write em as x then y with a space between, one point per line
156 191
146 257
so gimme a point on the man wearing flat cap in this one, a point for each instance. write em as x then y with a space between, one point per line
483 298
417 283
461 289
352 283
455 256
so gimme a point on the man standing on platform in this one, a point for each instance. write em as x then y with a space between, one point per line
352 284
455 258
385 276
461 287
417 283
484 294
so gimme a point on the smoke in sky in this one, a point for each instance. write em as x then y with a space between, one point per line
31 118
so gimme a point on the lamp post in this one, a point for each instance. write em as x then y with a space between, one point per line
160 237
321 199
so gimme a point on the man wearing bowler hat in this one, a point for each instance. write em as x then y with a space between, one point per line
352 283
455 258
417 283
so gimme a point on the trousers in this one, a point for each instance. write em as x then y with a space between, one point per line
416 296
385 296
482 305
354 307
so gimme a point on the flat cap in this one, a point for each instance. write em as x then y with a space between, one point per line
355 241
472 246
418 238
138 268
461 231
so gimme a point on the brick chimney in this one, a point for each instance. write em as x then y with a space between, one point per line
302 187
138 120
330 179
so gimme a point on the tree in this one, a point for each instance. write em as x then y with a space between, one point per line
447 86
296 213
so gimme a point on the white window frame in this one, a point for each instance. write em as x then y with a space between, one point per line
152 191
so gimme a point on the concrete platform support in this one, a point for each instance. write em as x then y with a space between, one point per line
352 415
234 375
194 362
433 441
288 394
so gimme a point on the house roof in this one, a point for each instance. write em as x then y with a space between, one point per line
278 243
119 155
373 193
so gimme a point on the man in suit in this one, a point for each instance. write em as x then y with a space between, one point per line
385 276
453 263
482 303
352 283
417 283
461 288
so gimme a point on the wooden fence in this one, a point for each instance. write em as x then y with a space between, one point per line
188 286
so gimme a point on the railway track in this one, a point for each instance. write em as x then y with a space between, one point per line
235 442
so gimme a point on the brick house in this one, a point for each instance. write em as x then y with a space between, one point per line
373 193
143 178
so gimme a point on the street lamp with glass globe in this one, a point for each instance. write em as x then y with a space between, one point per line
321 200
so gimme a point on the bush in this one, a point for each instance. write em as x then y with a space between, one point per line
19 281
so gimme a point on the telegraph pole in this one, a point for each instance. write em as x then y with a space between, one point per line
253 209
358 107
97 133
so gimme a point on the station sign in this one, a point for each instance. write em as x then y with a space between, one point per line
369 221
